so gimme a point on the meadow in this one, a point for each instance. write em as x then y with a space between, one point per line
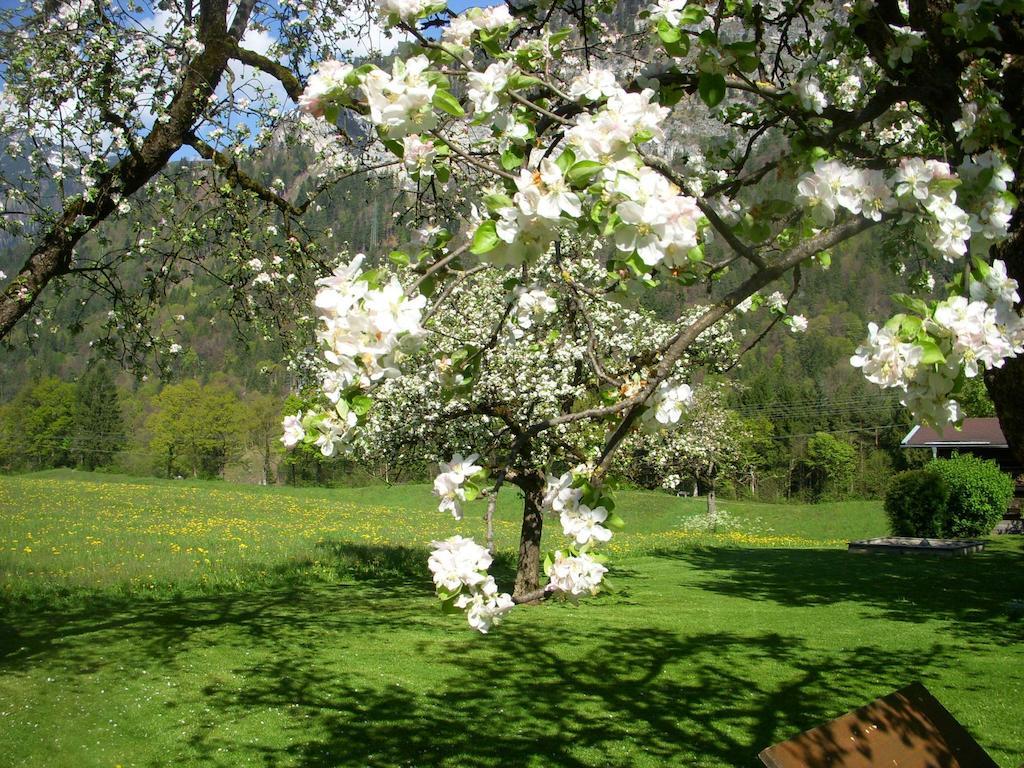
148 622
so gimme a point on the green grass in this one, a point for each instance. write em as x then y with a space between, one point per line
319 643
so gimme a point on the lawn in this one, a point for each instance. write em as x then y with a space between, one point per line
151 623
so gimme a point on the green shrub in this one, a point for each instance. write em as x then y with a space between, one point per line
916 503
979 494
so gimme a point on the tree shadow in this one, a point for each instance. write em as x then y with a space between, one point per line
299 595
973 593
551 686
566 697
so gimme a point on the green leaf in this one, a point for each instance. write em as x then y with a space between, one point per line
747 63
668 33
548 563
932 354
759 231
448 606
444 101
434 77
448 594
496 201
395 147
401 258
692 14
912 303
711 87
485 238
373 277
670 95
742 47
361 405
428 286
582 172
519 81
565 160
559 36
471 490
512 158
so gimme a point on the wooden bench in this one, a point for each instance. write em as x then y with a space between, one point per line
906 729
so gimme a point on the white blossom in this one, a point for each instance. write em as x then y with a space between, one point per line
575 574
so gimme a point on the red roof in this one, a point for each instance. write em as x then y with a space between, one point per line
975 432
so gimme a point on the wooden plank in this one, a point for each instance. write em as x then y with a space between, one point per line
906 729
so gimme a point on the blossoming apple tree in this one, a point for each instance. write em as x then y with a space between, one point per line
729 145
519 377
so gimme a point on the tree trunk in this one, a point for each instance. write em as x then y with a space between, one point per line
267 469
492 502
528 568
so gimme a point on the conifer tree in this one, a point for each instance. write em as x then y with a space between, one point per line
99 430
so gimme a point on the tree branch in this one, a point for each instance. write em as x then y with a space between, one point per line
716 312
275 69
239 178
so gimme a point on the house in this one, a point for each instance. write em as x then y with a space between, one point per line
983 438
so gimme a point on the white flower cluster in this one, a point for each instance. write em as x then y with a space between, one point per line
905 41
332 428
594 85
885 359
450 482
808 91
575 574
400 102
460 30
294 432
579 522
327 83
486 88
669 11
966 334
405 10
667 405
832 184
364 329
917 185
652 218
530 305
658 224
418 156
994 205
459 566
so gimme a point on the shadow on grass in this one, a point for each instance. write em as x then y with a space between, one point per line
31 627
974 593
548 688
529 697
